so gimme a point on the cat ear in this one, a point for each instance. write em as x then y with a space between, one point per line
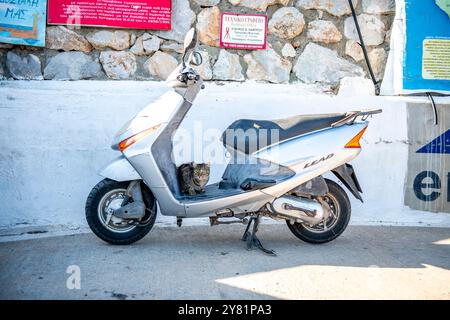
194 165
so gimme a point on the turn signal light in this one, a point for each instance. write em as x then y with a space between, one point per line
129 141
354 143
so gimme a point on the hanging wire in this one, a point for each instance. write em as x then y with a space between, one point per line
363 47
433 105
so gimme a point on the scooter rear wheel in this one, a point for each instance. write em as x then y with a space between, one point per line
108 195
336 223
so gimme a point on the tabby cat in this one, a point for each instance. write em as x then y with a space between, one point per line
193 177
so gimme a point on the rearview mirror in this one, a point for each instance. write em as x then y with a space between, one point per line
195 58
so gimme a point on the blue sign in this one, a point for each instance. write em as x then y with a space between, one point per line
427 51
23 22
440 145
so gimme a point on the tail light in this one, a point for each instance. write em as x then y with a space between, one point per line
354 143
129 141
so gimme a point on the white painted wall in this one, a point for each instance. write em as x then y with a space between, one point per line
55 137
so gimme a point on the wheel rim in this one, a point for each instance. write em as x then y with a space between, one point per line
108 203
332 219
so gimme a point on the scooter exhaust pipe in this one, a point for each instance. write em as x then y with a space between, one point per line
298 209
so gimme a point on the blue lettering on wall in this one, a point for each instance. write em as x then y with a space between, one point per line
420 186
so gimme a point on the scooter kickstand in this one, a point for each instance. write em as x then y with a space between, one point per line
251 238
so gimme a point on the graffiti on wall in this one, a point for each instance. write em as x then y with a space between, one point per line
23 22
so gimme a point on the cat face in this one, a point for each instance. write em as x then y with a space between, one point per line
200 173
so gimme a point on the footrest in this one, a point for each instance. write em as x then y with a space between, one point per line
225 184
254 184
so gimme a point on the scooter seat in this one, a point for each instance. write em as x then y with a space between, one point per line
248 136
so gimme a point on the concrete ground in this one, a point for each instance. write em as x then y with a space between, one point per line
197 262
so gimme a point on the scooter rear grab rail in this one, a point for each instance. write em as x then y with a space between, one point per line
353 115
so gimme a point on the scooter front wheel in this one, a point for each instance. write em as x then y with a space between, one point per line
107 196
336 223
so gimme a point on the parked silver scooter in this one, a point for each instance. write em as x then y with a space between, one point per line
275 170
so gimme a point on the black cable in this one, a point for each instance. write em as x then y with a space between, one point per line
433 105
431 98
363 47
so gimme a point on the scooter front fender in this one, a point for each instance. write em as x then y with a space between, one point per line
120 169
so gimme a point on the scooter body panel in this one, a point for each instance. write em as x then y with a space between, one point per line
120 169
156 113
311 155
245 202
340 157
297 152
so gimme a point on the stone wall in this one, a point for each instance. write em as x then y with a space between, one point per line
308 40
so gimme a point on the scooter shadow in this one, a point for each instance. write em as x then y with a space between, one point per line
358 246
